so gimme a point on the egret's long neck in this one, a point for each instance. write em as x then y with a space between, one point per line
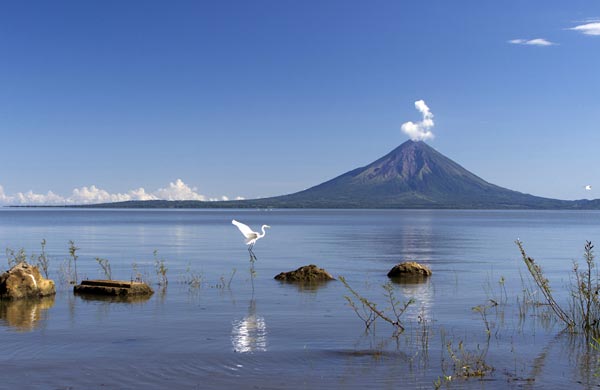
263 232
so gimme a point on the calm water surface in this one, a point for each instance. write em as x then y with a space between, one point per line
259 333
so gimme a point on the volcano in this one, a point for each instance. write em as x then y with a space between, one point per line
414 175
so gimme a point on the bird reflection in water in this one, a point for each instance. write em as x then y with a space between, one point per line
250 333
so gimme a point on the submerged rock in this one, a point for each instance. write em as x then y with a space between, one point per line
25 281
307 273
409 270
113 288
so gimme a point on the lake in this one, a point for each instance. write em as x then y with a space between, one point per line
246 330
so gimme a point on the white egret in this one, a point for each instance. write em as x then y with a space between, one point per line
588 187
251 236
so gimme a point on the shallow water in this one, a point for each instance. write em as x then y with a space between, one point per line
260 333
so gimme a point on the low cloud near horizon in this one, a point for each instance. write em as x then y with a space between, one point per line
177 190
420 131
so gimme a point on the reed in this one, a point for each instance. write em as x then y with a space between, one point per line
43 261
585 307
226 283
161 269
584 310
468 363
370 312
105 266
482 310
73 255
192 278
544 286
15 257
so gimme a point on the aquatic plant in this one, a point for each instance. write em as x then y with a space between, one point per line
64 273
423 333
441 380
136 275
584 311
544 286
161 269
226 284
528 299
498 295
73 253
595 345
365 313
13 258
482 309
586 305
502 283
192 278
466 363
105 266
370 312
43 261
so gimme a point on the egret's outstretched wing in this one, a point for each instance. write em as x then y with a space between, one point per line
245 229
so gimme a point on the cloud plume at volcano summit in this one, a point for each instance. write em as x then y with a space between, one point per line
420 131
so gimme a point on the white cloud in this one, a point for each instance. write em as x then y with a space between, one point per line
92 195
420 131
178 191
532 42
38 199
590 28
141 194
4 199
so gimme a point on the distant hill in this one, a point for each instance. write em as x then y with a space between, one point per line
414 175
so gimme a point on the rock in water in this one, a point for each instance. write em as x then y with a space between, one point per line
25 281
409 270
308 273
114 288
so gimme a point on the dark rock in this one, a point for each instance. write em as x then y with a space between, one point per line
409 270
309 273
25 281
113 288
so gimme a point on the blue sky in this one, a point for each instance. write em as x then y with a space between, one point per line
194 99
